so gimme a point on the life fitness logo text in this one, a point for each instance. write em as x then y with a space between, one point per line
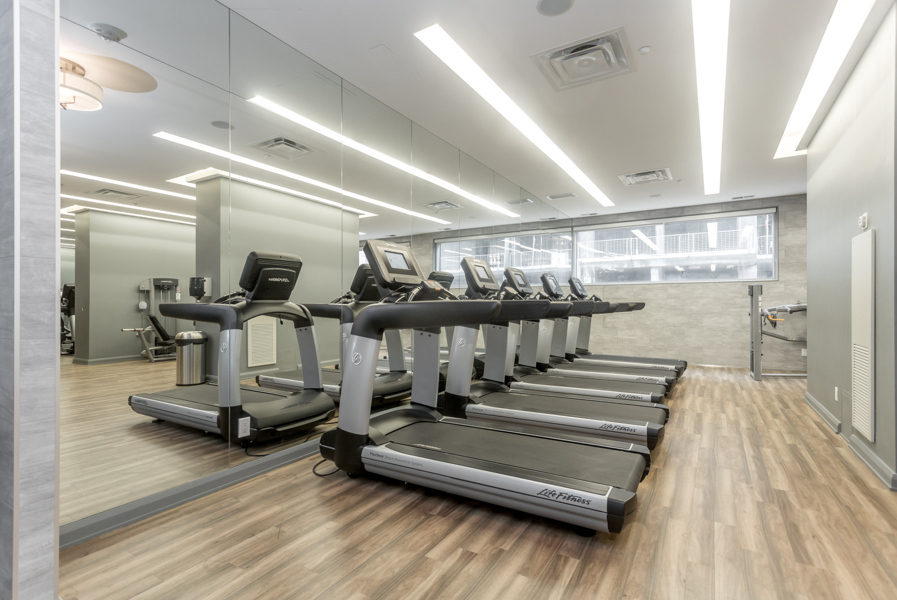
564 497
356 359
279 279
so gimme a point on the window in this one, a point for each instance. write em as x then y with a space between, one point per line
727 247
534 254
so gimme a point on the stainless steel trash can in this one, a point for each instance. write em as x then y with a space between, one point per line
191 357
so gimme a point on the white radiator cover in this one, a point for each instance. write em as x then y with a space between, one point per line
261 340
862 334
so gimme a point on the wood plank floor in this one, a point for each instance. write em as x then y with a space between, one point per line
110 455
750 496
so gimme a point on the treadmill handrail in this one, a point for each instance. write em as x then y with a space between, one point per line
559 310
372 320
341 312
232 316
582 308
517 310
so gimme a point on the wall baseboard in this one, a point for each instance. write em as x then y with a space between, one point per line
823 412
111 359
875 464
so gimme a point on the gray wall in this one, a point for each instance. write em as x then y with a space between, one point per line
235 218
703 323
850 170
66 266
114 254
29 300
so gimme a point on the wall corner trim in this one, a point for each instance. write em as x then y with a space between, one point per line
877 465
823 412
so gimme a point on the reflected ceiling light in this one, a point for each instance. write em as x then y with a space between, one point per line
711 234
567 237
638 233
295 176
67 239
182 180
713 267
64 229
128 206
456 252
393 162
206 173
711 30
678 268
847 20
70 210
66 219
126 184
449 52
361 233
76 92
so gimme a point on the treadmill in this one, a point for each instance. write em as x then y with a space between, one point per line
534 372
582 354
591 487
243 414
491 401
562 354
389 388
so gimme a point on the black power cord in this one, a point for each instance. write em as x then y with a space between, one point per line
314 469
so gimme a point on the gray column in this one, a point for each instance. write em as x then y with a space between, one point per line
29 299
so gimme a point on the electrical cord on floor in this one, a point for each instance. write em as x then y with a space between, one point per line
314 469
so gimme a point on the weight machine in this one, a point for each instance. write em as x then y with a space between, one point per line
763 322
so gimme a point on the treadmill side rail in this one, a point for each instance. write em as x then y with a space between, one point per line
594 393
553 501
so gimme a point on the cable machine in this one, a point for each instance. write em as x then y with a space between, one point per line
763 322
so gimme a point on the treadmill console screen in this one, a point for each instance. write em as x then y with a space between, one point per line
551 285
577 287
516 279
481 271
396 260
520 280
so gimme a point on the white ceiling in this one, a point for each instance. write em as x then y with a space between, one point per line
643 120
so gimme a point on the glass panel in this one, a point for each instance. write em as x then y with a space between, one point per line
722 248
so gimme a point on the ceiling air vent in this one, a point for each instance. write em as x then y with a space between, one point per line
742 197
116 194
590 59
646 177
283 147
442 205
563 196
520 201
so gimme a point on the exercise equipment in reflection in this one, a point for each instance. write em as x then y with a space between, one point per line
158 343
764 322
67 319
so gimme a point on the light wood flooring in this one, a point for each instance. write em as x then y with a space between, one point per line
750 496
110 455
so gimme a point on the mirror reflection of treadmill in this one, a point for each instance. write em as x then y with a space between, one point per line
585 485
247 414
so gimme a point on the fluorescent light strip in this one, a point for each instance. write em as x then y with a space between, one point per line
638 233
680 269
296 177
67 245
65 219
118 212
277 188
711 30
64 229
449 52
393 162
840 34
67 239
126 184
107 203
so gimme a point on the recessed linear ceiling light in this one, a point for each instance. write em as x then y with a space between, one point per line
638 233
70 210
449 52
67 239
64 229
126 184
294 176
840 34
393 162
128 206
65 219
711 30
210 172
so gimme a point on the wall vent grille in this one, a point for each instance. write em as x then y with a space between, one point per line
645 177
587 60
862 334
115 194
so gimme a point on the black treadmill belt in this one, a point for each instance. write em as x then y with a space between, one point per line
328 376
207 394
385 384
574 407
679 364
585 463
588 383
